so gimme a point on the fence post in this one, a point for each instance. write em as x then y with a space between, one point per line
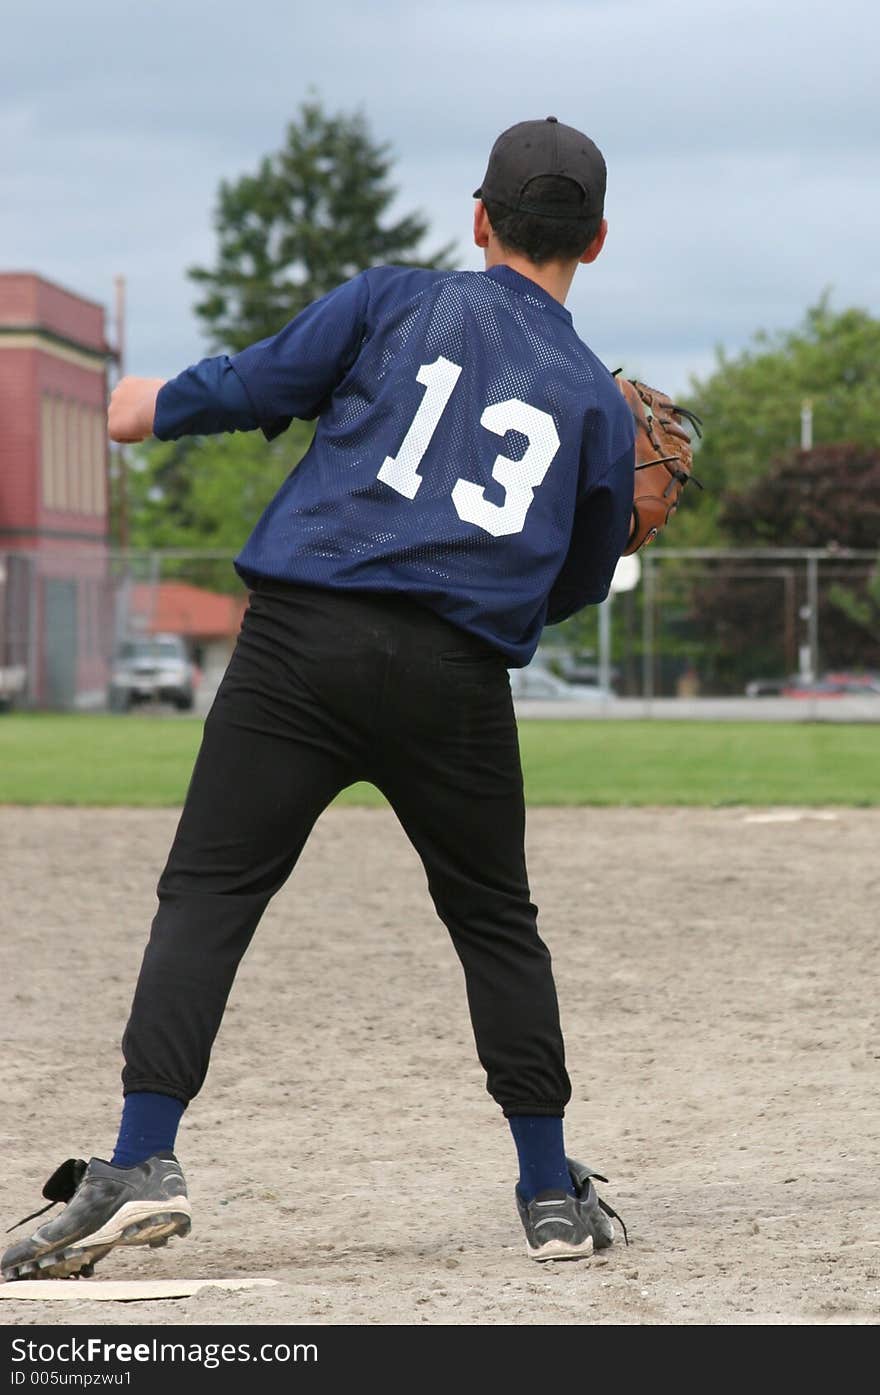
33 639
648 628
605 644
813 604
155 577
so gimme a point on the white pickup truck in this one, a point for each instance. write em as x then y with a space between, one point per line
12 684
153 668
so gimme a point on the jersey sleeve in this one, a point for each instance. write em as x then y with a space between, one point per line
207 398
293 373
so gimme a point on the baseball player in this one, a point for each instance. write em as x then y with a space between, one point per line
470 480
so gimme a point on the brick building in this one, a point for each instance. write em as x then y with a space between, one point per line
53 491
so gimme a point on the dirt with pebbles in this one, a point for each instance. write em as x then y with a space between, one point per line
716 971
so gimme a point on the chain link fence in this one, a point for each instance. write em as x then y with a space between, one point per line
775 629
88 630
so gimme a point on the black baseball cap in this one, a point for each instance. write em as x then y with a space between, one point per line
532 149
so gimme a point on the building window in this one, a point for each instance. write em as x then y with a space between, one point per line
47 452
87 460
73 456
100 461
74 463
60 493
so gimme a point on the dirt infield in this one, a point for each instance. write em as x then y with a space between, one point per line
716 971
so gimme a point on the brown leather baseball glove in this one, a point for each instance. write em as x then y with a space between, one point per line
663 459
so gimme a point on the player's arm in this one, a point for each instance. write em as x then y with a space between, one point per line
292 374
601 528
202 400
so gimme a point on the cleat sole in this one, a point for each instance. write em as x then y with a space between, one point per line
560 1249
78 1261
156 1230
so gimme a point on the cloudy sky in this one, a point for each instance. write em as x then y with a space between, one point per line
741 140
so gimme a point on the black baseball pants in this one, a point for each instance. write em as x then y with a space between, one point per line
325 688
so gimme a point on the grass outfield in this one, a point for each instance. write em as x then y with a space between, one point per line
146 761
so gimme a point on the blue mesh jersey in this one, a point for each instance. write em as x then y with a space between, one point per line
471 451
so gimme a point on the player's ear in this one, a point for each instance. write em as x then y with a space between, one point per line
482 226
597 244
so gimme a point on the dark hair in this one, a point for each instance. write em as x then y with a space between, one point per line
540 238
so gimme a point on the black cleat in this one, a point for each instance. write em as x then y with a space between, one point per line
598 1211
108 1206
554 1226
561 1226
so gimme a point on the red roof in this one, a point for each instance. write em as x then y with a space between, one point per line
175 607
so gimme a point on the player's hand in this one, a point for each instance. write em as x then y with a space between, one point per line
132 409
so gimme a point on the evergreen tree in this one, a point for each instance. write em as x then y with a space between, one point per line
314 214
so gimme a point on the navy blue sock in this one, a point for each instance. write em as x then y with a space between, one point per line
541 1150
149 1125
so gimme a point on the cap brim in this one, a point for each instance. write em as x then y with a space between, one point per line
478 193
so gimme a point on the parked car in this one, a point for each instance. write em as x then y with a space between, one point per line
12 685
536 681
574 668
855 682
765 687
830 685
811 688
154 668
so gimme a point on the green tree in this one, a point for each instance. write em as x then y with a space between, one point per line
751 407
747 610
312 215
208 492
863 611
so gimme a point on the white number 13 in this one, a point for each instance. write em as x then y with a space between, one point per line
520 478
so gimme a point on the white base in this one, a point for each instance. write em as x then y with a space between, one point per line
121 1291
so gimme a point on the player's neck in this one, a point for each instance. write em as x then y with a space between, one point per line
553 277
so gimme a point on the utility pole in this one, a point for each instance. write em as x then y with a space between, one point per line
807 424
121 454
